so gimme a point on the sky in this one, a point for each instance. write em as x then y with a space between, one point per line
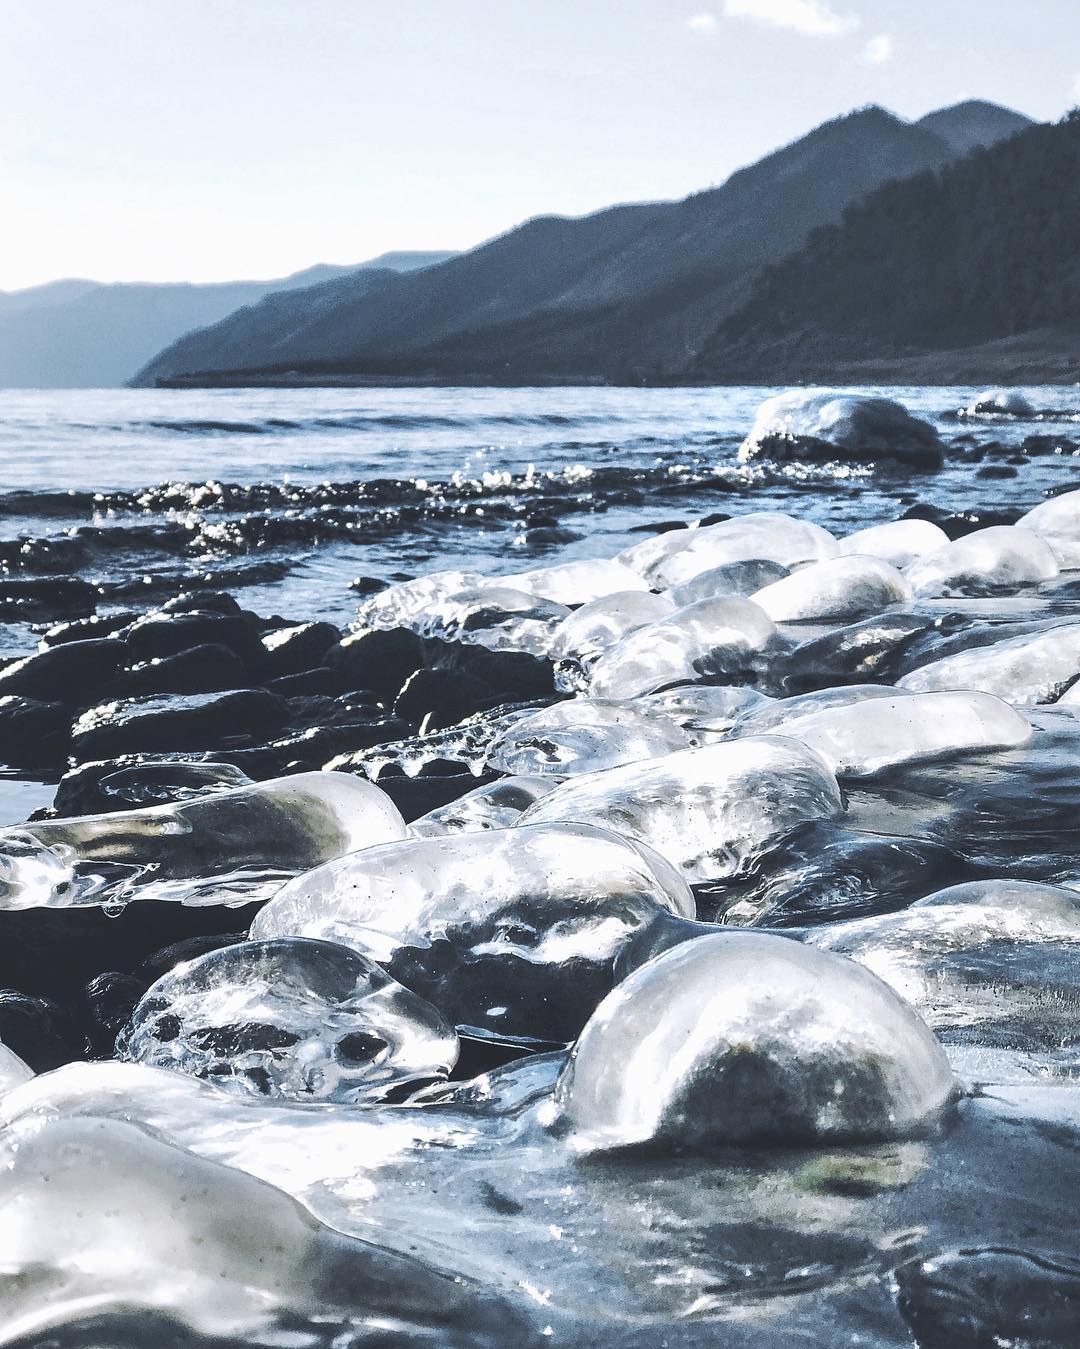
208 140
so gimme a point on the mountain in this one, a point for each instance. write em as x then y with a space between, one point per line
974 125
626 294
959 271
80 334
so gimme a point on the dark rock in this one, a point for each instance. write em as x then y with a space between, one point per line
162 634
861 653
416 796
315 747
110 999
1037 445
199 721
70 674
161 962
957 525
367 585
292 650
321 681
658 527
200 669
996 471
39 1031
33 734
511 675
51 597
81 629
131 783
381 660
202 602
443 697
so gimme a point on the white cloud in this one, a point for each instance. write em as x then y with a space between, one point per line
1075 91
811 18
878 50
703 23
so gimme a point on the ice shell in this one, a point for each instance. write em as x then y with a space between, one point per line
577 582
840 590
749 1038
708 810
1008 402
847 426
399 605
992 962
995 559
495 805
1058 516
862 738
742 579
511 931
594 627
290 1018
771 536
706 639
585 735
768 716
12 1070
1025 671
900 542
707 712
104 1220
228 845
492 615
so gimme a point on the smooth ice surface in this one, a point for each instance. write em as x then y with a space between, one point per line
585 735
706 639
989 560
229 846
101 1219
594 627
512 931
495 805
841 590
12 1069
708 810
577 582
706 712
492 615
1058 516
751 1038
853 426
743 579
992 963
1027 670
900 542
675 558
863 738
290 1018
398 606
770 714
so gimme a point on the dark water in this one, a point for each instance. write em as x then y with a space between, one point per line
292 494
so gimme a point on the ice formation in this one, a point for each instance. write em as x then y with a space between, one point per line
585 735
747 1038
819 424
706 639
513 932
982 563
742 579
400 605
495 805
1000 402
708 810
840 590
1058 516
590 630
858 739
494 615
290 1018
706 712
1026 670
233 845
577 582
12 1070
900 542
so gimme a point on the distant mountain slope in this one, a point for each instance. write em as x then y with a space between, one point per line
71 334
974 125
625 294
984 250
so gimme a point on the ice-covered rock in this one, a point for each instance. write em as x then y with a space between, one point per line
577 582
290 1018
707 712
770 715
225 847
495 805
112 1236
993 963
585 735
595 627
1027 670
840 590
1000 558
709 810
741 579
13 1070
1059 515
514 932
751 1039
901 542
676 558
816 424
1000 403
866 737
704 640
492 615
398 606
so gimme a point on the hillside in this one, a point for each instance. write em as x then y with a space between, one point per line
628 293
983 254
85 334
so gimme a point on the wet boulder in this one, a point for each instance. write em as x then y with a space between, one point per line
69 674
33 734
165 634
815 425
300 647
201 721
381 659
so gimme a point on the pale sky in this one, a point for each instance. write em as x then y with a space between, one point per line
167 140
